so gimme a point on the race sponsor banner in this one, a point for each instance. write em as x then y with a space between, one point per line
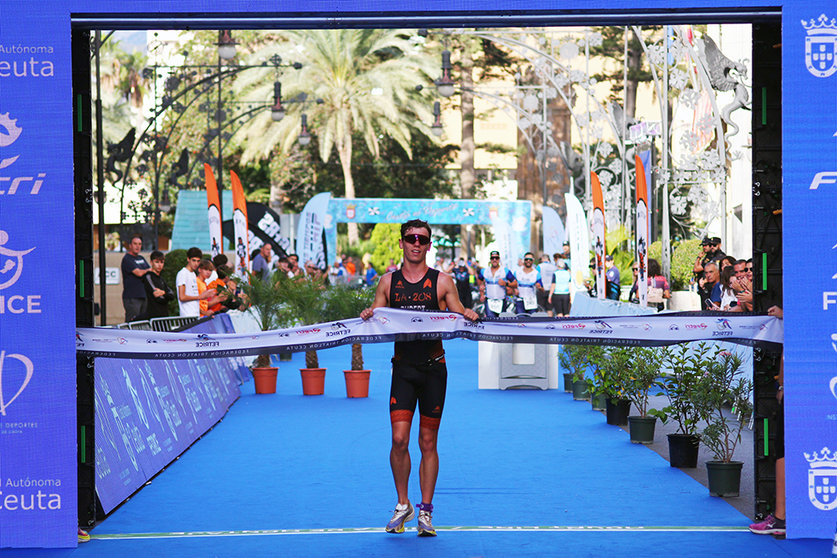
241 232
213 212
309 244
150 411
554 234
389 324
642 233
597 227
579 235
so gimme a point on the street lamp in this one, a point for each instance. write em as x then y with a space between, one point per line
304 137
277 111
444 85
437 128
226 44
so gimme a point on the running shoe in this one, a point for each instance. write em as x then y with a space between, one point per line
425 523
83 536
403 513
770 526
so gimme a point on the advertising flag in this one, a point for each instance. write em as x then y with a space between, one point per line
641 233
553 231
310 246
214 212
579 236
242 240
597 226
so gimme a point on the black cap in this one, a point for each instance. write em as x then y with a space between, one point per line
706 241
494 253
714 241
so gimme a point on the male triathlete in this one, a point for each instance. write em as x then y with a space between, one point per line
493 282
528 284
418 372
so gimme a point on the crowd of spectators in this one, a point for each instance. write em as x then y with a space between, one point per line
724 282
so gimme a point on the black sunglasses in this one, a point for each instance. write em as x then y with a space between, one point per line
528 260
495 257
422 239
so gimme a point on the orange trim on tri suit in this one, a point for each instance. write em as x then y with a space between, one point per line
429 422
401 415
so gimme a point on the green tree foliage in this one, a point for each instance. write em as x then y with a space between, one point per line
682 261
613 49
175 261
385 238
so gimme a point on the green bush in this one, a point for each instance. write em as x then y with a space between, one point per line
682 261
384 241
175 261
655 252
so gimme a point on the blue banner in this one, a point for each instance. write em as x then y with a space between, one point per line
150 411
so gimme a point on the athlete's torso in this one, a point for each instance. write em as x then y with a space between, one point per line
421 295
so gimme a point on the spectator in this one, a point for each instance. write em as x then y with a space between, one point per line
462 276
262 261
528 283
717 253
559 291
391 267
547 270
224 282
743 286
712 286
293 266
370 276
729 302
349 265
157 292
566 254
283 266
337 274
205 269
312 270
188 296
656 280
613 279
218 261
492 282
633 295
726 261
134 268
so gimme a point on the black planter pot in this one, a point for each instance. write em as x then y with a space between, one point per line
683 450
568 382
642 429
617 411
580 391
286 357
724 478
599 402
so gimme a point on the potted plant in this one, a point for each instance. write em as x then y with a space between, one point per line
581 389
615 365
685 364
637 383
271 313
721 385
345 302
593 356
304 297
570 357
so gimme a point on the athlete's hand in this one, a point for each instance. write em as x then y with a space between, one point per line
366 313
470 315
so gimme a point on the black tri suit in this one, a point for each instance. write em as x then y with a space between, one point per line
419 374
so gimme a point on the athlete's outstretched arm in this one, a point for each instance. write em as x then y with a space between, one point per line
451 297
381 296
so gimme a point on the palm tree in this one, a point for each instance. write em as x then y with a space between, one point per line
367 81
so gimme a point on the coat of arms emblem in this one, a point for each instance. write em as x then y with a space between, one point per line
821 46
822 479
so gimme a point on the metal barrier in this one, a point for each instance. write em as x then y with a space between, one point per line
172 323
144 325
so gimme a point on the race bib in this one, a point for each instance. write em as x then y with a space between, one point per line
530 301
495 305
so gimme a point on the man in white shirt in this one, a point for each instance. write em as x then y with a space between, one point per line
547 270
188 297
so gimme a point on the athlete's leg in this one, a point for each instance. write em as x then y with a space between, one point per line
399 458
429 467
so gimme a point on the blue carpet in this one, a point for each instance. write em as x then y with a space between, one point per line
508 459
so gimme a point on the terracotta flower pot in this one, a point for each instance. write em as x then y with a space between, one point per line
313 381
265 379
357 383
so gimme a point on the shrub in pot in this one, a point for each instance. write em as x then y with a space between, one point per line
723 384
267 302
637 382
571 359
614 366
344 302
685 364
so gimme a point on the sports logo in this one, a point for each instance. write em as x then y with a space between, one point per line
11 262
821 46
29 370
822 479
12 132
